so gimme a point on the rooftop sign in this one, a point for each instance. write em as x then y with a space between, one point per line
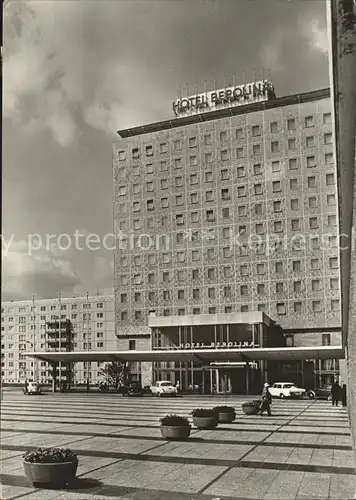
224 98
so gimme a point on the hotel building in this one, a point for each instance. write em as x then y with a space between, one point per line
228 224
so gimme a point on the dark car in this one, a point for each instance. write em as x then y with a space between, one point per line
323 392
132 389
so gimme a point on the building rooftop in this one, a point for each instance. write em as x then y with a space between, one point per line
225 112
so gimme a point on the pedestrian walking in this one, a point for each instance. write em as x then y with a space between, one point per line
177 386
266 400
343 395
335 394
26 386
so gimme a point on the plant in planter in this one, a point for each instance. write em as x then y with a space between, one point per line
251 407
225 414
50 466
175 427
204 418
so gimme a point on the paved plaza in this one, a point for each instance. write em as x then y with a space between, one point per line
302 452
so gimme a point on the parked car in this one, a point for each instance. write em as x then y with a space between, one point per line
32 388
286 390
163 388
323 392
132 389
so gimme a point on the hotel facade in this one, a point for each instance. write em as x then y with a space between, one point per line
228 235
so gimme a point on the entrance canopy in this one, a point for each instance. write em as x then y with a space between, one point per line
203 356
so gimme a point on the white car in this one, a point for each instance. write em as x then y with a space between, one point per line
32 388
286 390
163 388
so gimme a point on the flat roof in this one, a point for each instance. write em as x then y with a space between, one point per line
196 355
245 318
314 95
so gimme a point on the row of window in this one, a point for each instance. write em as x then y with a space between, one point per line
63 307
256 130
226 193
226 291
211 273
281 309
225 155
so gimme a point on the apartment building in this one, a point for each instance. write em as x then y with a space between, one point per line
27 326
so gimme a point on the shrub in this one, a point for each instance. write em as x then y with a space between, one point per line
174 420
224 409
255 402
203 412
50 455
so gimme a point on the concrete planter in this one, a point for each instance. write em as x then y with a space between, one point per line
250 408
175 432
205 422
226 417
56 474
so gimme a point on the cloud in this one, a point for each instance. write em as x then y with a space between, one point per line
318 36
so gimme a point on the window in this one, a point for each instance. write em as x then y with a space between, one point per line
258 188
195 255
313 222
242 210
180 294
277 206
278 226
225 213
273 127
181 312
180 275
329 158
313 202
223 136
327 118
239 133
330 200
132 345
179 219
276 186
276 167
260 269
256 131
243 290
225 194
192 142
315 285
123 315
163 147
211 273
241 191
166 295
297 286
224 155
310 141
165 277
256 149
211 293
296 266
258 209
297 307
309 121
164 166
315 264
275 147
291 124
293 163
177 144
224 174
316 306
331 220
279 267
328 138
177 163
207 139
333 263
335 304
329 179
311 181
292 143
196 310
196 293
209 196
295 224
151 296
260 288
193 161
334 283
194 217
259 228
194 198
311 161
293 184
239 152
138 315
210 216
281 308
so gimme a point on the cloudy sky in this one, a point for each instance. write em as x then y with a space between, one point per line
76 71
